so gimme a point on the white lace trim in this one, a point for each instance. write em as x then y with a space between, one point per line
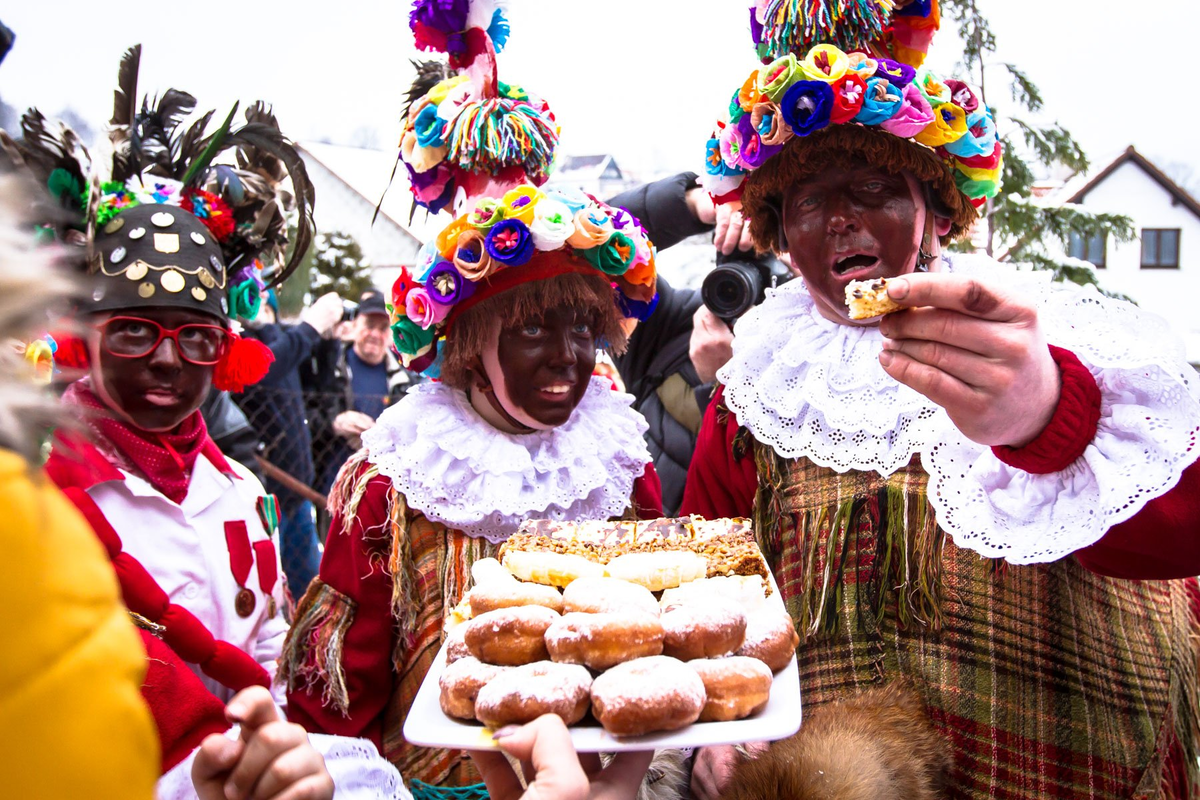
809 387
457 469
357 769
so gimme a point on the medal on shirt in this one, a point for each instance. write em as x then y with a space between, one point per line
241 558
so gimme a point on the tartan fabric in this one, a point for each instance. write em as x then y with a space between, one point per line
436 562
1049 680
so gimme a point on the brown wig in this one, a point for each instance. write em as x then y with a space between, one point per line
526 303
847 147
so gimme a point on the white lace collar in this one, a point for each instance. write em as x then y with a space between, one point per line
457 469
809 387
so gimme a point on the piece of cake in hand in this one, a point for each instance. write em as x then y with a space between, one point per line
868 299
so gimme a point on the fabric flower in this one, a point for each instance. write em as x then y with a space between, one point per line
442 89
420 308
949 124
421 159
825 63
750 93
932 87
722 185
732 140
768 123
880 102
775 78
913 116
487 213
571 197
735 107
114 198
754 152
471 257
519 203
592 228
980 138
899 74
245 299
410 338
807 106
863 65
149 189
963 96
455 100
402 286
614 256
210 209
714 161
990 161
447 240
429 128
643 271
510 242
447 286
848 95
553 224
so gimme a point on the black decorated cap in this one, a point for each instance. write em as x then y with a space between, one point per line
157 255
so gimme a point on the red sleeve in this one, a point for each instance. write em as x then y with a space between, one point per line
718 484
1160 542
647 494
354 565
184 710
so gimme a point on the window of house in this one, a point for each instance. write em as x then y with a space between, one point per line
1089 248
1160 248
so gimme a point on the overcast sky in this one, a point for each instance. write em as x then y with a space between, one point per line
643 81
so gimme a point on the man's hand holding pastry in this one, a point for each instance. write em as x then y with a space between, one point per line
977 351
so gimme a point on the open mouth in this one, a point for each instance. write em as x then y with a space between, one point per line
854 262
556 389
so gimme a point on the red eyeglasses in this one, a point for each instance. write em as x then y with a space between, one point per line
135 337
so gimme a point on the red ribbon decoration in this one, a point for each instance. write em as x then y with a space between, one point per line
264 557
237 538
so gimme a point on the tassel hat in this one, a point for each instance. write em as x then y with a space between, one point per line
843 83
487 146
165 224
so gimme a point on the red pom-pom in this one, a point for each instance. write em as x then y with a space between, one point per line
72 352
245 362
210 209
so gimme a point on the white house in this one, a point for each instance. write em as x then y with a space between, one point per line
349 182
1160 270
597 175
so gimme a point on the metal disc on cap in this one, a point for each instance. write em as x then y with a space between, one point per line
199 294
146 289
115 224
117 255
206 279
172 281
137 271
197 238
137 233
162 220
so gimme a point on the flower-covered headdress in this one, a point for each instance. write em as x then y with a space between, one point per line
165 224
847 75
526 235
468 134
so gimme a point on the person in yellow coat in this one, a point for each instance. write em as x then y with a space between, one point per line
72 720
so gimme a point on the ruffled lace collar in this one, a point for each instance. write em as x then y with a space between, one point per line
457 469
809 387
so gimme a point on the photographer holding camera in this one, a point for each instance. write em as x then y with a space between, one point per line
673 356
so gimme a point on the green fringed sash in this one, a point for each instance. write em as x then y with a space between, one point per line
312 652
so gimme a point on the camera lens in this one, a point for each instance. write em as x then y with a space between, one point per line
731 290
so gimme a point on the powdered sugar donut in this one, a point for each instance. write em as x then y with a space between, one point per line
460 684
510 636
771 638
702 629
736 687
658 693
456 645
525 693
600 641
595 595
512 594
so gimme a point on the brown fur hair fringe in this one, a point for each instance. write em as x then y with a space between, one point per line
847 147
524 304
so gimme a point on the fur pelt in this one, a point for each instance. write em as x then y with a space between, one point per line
880 744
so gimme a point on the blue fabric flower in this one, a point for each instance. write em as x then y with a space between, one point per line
807 106
980 138
510 242
881 103
429 127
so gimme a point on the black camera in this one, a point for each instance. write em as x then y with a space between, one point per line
740 282
349 310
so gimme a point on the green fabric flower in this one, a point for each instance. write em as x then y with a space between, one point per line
410 338
614 257
245 300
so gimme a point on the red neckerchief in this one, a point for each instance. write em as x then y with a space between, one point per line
164 459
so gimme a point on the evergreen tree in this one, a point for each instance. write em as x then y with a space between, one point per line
1018 225
338 266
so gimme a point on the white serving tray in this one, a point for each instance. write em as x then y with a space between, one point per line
428 726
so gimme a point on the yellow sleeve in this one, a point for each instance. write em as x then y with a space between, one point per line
72 720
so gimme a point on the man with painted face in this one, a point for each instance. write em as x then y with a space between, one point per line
952 494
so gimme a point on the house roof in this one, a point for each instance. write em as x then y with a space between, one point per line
1078 187
366 172
582 168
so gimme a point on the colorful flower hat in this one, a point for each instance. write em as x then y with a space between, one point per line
848 74
526 235
469 134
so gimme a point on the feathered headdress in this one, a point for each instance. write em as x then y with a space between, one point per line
468 134
848 73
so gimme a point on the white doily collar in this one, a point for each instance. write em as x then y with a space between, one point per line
455 468
809 387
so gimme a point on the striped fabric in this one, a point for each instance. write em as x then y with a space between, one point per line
437 562
1049 680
